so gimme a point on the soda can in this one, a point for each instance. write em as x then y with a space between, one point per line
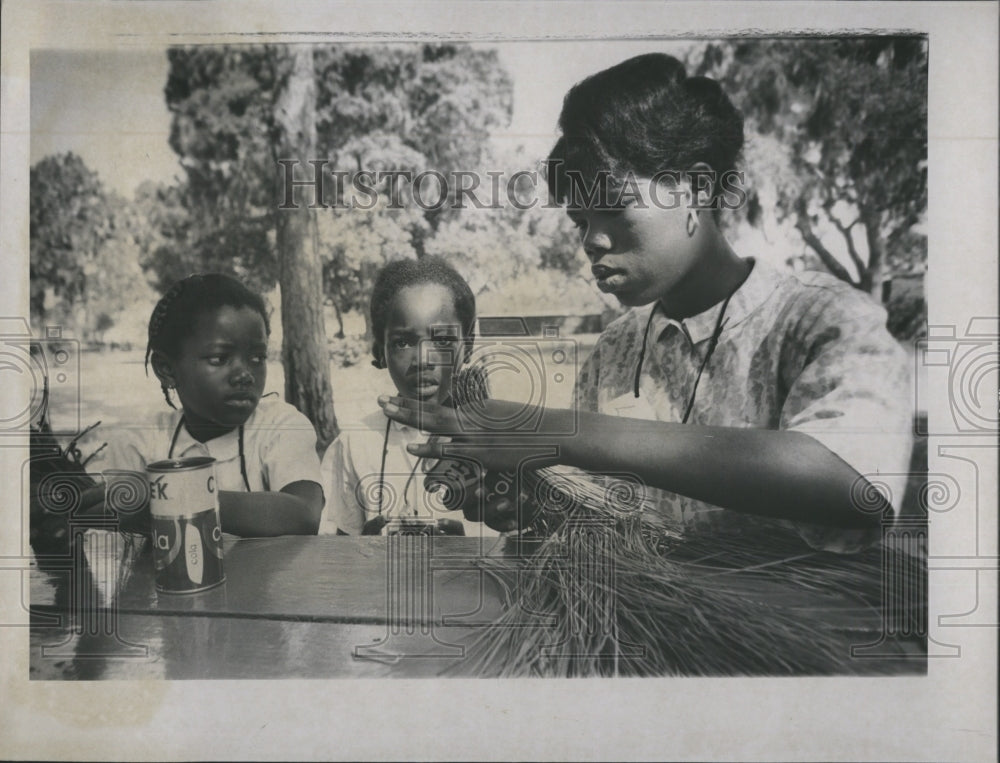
187 533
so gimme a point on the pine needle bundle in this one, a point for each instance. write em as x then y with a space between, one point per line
608 585
611 588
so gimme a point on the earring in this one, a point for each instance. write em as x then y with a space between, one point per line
692 222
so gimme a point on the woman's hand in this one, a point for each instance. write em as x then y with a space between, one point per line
479 468
484 435
482 496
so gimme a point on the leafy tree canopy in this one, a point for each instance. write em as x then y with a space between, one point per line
84 252
378 109
386 108
838 140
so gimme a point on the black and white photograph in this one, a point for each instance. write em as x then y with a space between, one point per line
529 380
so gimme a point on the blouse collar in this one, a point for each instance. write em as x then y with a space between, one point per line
751 294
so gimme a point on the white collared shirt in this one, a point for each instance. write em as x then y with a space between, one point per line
279 447
353 479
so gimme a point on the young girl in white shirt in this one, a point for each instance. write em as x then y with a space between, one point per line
423 316
208 348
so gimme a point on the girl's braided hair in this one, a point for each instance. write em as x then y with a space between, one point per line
176 314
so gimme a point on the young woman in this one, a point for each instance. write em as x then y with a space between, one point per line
734 389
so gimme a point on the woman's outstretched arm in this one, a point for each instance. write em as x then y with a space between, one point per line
782 474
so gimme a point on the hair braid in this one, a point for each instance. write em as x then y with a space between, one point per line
161 314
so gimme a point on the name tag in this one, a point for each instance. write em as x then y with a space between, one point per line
630 406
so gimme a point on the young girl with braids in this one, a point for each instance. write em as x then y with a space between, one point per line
208 348
740 392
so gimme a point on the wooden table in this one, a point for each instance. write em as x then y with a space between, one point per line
308 607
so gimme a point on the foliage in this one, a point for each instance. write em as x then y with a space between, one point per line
501 243
907 309
69 221
409 107
84 247
355 243
386 108
839 138
402 108
349 351
221 218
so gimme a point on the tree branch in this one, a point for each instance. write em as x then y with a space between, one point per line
804 227
845 231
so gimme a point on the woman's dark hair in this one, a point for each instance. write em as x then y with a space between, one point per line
399 274
176 314
643 116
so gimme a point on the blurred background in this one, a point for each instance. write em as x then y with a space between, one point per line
150 165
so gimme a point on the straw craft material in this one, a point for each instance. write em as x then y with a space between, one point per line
606 591
610 587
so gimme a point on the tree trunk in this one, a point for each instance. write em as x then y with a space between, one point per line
368 271
874 275
340 320
304 352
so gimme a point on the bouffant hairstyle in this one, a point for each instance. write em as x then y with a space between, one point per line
643 117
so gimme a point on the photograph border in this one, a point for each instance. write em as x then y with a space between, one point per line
948 714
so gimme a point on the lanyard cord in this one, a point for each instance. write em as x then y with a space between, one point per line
712 343
243 460
719 325
381 472
381 469
642 349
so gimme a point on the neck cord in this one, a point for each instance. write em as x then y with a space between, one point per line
243 461
381 474
642 349
381 469
712 342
